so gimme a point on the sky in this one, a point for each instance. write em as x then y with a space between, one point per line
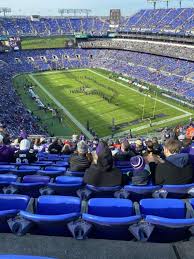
98 7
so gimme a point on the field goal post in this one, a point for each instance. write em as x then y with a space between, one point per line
151 114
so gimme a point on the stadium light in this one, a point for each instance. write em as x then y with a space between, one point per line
5 10
152 2
61 11
167 3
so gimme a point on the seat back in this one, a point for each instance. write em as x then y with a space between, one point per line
29 167
110 207
55 168
68 180
36 179
13 201
56 205
167 208
8 178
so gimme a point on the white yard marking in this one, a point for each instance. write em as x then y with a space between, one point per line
186 113
71 117
79 125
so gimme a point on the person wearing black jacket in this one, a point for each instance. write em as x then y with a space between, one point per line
79 161
176 168
124 154
55 147
103 174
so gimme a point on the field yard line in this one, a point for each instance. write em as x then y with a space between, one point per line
186 114
71 117
148 125
177 108
59 71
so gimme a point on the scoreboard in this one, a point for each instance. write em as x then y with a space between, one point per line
115 16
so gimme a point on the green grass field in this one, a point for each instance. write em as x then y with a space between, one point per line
45 42
124 103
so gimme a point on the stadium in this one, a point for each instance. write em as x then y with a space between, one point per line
97 133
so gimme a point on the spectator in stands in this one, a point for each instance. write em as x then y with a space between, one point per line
139 147
125 153
66 150
140 174
40 144
103 173
152 156
6 151
25 154
80 160
55 147
176 169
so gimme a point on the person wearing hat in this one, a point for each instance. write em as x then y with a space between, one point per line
80 161
102 173
6 151
140 174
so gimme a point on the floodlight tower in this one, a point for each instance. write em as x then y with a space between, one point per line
153 2
5 10
167 3
61 11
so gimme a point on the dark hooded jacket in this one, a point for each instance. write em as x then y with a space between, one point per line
6 153
176 170
103 174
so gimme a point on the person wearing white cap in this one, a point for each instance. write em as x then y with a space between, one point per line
25 154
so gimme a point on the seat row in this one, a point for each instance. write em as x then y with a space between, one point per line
9 256
36 185
158 220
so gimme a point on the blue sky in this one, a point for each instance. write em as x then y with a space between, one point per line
99 7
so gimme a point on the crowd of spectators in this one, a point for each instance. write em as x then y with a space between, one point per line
170 161
173 75
159 48
170 21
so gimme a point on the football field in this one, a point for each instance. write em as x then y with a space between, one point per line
90 98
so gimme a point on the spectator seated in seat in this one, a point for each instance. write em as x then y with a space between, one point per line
6 151
176 168
25 154
140 174
103 174
80 160
124 154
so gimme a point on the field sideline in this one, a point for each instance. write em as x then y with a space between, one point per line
57 85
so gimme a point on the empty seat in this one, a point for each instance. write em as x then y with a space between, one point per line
51 173
97 192
51 215
6 168
23 170
29 167
6 179
42 163
75 173
108 218
136 193
10 205
175 191
165 220
62 163
55 168
23 257
30 185
64 185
